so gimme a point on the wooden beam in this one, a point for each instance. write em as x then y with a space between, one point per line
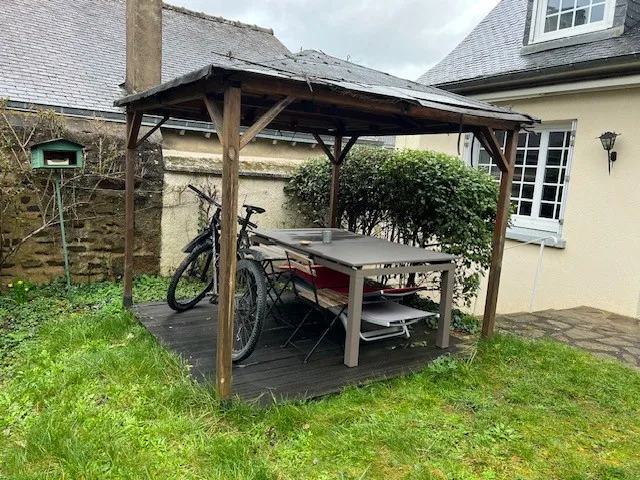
216 115
499 233
152 131
265 120
334 221
489 141
375 104
345 151
228 238
134 120
324 147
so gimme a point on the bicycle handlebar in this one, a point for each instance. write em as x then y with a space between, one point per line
207 198
204 196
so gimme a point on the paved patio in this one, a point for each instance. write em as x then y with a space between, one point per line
602 333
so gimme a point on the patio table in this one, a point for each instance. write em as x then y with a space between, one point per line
360 256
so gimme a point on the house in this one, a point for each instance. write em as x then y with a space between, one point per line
70 57
575 64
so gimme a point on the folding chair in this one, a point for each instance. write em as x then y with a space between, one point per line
269 256
307 286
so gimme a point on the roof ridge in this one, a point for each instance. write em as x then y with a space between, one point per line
206 16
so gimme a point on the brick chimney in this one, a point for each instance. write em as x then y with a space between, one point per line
144 44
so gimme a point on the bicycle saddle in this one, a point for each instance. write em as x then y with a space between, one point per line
254 209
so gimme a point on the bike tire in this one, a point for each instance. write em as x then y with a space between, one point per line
182 305
245 343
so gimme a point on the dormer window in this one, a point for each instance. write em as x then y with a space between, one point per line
556 19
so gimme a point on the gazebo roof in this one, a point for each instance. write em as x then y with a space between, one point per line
332 97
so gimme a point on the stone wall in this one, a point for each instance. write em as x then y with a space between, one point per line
95 225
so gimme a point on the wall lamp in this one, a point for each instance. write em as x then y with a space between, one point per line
608 140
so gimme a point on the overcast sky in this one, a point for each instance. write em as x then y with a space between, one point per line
401 37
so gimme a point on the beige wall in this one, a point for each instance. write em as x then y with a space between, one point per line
192 158
600 266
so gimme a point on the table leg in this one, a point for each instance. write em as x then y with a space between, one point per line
446 300
354 313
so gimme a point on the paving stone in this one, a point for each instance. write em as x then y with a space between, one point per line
633 351
581 334
616 341
560 337
557 324
631 360
596 347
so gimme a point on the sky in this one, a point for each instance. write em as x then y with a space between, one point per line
402 37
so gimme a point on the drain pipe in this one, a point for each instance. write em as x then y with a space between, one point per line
543 244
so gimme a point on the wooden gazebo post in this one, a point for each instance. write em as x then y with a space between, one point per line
336 158
506 163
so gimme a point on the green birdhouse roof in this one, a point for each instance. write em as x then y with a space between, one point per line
59 142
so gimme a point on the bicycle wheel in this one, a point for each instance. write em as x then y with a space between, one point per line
250 308
192 280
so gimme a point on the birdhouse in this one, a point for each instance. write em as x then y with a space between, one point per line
57 153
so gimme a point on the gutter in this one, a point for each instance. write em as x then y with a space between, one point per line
592 70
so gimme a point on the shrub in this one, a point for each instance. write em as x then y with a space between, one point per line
420 198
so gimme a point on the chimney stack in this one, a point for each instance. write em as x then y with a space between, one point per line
144 44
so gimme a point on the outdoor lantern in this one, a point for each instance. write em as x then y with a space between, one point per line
608 140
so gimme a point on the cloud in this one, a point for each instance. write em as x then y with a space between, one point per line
402 37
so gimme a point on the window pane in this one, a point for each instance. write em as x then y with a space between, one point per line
517 177
546 210
560 193
553 6
551 24
566 20
522 140
551 175
582 17
525 208
519 157
515 190
532 158
549 194
534 139
556 139
597 13
527 191
554 157
530 174
484 158
568 4
583 3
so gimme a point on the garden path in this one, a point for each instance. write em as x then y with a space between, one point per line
602 333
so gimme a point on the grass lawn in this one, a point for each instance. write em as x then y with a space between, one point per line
86 392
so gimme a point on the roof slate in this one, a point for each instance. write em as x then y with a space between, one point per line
72 53
494 47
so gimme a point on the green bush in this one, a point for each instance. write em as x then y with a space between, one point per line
420 198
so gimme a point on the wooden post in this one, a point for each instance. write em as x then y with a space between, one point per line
132 129
335 183
228 237
500 229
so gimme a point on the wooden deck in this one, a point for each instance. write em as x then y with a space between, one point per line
274 373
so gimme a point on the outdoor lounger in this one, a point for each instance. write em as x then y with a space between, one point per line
325 289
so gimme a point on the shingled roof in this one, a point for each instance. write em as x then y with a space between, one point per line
72 53
493 52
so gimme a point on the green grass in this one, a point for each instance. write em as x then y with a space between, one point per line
88 393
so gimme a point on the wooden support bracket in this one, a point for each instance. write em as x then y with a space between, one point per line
324 147
265 120
216 116
489 141
152 131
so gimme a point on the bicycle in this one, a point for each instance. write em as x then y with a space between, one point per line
197 276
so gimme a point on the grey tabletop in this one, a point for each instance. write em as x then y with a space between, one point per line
351 249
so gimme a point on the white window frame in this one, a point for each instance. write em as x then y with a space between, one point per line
538 34
535 223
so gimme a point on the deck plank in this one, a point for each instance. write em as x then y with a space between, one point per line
274 373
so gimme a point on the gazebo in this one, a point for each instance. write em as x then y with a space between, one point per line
312 93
